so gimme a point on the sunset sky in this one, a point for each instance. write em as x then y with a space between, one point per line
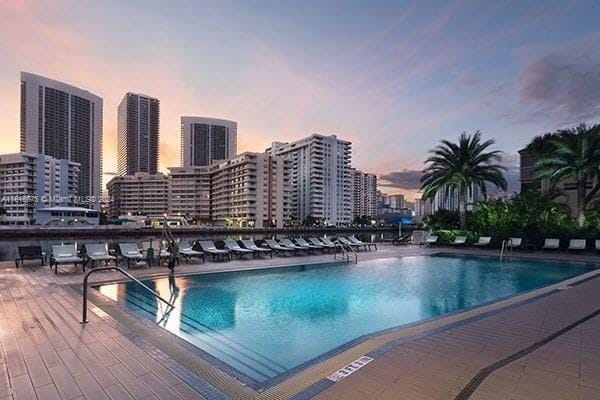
393 77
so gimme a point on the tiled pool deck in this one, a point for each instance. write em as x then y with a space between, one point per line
542 345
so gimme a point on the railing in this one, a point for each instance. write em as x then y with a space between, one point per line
504 251
345 252
84 319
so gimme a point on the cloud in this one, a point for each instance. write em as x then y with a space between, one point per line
406 179
564 88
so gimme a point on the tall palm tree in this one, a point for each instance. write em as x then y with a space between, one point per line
574 155
462 167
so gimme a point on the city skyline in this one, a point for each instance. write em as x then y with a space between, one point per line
393 79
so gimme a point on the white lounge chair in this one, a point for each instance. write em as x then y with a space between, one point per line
210 248
277 248
484 241
288 243
97 253
597 245
131 252
302 242
551 244
577 245
250 245
348 244
65 254
234 247
418 237
355 240
515 242
431 240
318 242
459 241
186 250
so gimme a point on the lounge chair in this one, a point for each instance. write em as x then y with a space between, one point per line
234 247
328 242
97 253
209 247
430 240
187 252
354 240
459 241
291 245
577 245
30 253
154 249
484 241
276 247
597 245
65 254
348 244
515 243
302 242
324 245
131 252
551 244
250 245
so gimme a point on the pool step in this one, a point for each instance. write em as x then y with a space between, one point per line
216 344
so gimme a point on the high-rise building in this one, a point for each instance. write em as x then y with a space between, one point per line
206 140
139 194
138 136
64 122
364 194
397 202
30 182
251 189
448 199
321 178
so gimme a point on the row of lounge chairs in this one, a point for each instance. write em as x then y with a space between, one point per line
516 243
131 254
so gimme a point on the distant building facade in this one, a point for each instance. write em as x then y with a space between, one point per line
321 178
139 194
251 189
64 122
448 199
206 140
364 188
30 182
190 195
138 134
397 201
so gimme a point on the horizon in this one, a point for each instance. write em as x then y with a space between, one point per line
392 79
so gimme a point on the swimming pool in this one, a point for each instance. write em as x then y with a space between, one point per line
264 323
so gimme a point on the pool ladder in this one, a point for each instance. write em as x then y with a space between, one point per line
345 252
506 250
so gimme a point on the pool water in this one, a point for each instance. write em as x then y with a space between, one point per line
267 322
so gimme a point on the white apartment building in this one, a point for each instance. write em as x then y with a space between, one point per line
139 194
206 140
321 178
364 194
397 201
29 182
190 193
64 122
448 199
251 189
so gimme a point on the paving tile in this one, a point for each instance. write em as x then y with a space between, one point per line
23 388
64 382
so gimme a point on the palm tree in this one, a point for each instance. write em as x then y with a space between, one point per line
574 155
462 167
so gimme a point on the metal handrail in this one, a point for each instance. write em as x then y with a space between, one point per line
84 319
506 244
345 252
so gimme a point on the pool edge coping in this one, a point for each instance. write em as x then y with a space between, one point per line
264 388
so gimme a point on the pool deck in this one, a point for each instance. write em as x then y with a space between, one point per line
540 345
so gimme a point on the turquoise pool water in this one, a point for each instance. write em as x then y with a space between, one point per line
265 323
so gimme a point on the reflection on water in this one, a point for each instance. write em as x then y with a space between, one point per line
263 323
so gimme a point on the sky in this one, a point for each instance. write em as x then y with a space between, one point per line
393 77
